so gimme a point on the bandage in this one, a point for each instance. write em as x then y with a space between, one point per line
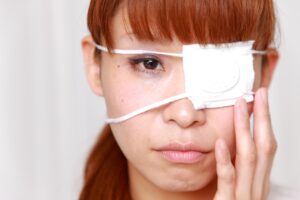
214 75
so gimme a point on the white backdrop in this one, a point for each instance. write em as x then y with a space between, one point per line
49 118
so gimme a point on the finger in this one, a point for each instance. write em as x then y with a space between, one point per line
225 172
245 151
266 144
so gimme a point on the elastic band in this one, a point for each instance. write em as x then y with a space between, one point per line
123 51
259 52
139 51
146 108
161 103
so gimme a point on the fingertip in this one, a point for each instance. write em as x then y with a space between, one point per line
239 101
241 113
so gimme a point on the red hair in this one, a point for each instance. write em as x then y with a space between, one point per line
106 171
201 21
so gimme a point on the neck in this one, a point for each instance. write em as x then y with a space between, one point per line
142 189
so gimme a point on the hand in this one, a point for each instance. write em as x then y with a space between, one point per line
249 177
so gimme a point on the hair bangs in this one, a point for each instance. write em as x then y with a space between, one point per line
189 21
203 21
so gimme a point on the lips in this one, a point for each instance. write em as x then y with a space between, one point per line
182 153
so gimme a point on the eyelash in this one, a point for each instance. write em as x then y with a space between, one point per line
136 63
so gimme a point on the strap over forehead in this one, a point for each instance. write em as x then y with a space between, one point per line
210 46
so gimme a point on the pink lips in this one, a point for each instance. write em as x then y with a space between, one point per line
182 153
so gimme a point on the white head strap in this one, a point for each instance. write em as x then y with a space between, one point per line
215 75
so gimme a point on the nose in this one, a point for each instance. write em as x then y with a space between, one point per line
183 114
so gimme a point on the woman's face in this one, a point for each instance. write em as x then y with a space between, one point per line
171 146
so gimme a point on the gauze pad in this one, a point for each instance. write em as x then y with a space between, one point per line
215 75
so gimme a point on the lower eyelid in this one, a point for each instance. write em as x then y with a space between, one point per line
137 68
136 62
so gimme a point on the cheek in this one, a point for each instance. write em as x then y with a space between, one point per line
125 93
119 100
250 108
224 118
222 121
132 140
125 90
118 91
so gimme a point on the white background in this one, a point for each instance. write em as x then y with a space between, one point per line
49 118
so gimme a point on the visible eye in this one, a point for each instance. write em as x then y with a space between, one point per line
147 64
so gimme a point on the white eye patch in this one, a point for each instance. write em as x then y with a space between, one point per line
215 75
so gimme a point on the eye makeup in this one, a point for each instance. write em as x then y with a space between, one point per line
146 63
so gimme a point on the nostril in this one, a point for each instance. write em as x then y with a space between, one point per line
188 120
197 123
183 114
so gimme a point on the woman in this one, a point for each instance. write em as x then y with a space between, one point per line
174 150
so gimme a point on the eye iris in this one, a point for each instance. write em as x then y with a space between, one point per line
150 64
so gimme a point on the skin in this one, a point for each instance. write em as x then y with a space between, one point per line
236 166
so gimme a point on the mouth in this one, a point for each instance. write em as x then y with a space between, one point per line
182 153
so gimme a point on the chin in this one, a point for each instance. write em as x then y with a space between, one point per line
179 186
185 183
